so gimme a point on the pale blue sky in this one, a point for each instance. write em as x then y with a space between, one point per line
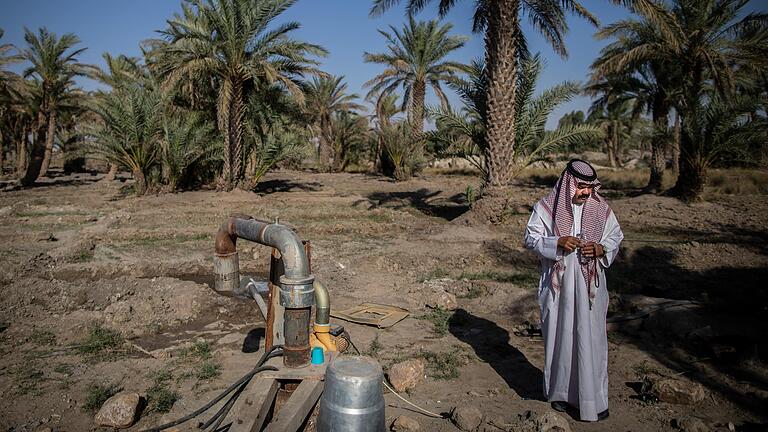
341 26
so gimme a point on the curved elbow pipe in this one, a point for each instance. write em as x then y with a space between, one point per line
296 284
322 304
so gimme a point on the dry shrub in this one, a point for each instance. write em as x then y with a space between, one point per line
737 181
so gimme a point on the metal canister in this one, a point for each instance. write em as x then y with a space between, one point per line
352 399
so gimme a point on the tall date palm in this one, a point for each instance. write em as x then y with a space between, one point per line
416 61
235 43
499 20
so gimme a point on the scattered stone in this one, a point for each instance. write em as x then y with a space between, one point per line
467 418
405 424
46 237
119 411
695 243
443 300
45 429
731 426
677 391
406 375
551 422
690 424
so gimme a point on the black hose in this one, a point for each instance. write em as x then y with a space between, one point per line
242 381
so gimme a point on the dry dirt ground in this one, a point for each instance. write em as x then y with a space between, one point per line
78 255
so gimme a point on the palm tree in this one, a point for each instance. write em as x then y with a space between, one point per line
652 82
703 40
616 117
325 97
466 134
415 61
350 138
504 44
9 83
231 42
54 65
131 129
386 108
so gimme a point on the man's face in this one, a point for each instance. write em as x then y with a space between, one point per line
583 191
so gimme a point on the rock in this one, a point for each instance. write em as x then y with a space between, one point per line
45 429
119 411
442 299
677 391
690 424
467 418
405 424
551 422
405 375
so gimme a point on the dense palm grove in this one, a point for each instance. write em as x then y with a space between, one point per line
226 92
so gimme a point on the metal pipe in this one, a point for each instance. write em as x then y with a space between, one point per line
296 290
322 304
277 236
296 347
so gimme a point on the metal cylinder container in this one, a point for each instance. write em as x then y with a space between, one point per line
226 271
352 398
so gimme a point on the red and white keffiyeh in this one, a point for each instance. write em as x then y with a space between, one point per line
558 205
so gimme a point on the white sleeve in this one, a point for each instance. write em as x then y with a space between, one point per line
612 237
537 238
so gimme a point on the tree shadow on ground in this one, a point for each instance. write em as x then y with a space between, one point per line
272 186
686 339
78 179
492 345
424 200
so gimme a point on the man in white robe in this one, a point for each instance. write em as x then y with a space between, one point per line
577 237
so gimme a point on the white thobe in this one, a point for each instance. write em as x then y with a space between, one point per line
575 338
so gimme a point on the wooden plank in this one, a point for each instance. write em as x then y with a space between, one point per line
315 372
252 407
298 407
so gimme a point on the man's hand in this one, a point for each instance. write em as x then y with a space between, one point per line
568 243
592 250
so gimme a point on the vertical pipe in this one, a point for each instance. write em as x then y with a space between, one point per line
296 348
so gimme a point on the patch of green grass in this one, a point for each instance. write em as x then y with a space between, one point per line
64 368
160 397
31 214
201 349
445 365
439 318
517 278
102 343
437 273
28 378
475 291
374 349
98 393
207 370
645 372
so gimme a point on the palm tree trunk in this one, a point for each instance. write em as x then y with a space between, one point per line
49 138
140 187
501 35
324 145
237 112
658 144
417 108
676 144
112 172
38 152
692 175
21 150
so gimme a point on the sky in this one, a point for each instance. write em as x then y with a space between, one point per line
343 27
